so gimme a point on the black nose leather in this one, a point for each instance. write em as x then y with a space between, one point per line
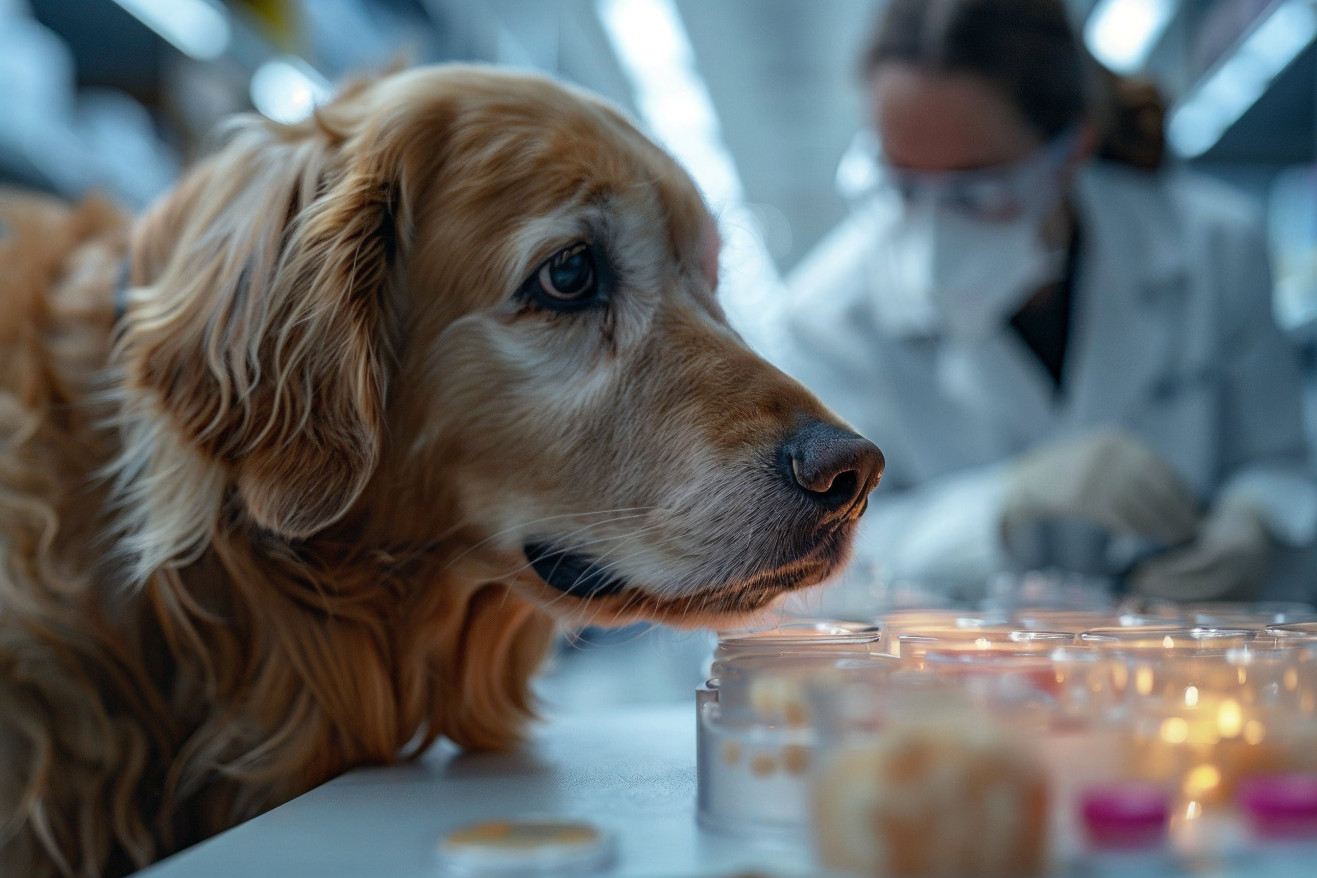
833 466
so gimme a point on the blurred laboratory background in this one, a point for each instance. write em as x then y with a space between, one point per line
759 99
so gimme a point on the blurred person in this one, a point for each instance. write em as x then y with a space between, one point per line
1064 345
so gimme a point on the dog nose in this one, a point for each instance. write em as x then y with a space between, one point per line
833 466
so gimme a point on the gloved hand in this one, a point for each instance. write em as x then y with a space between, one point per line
1108 478
1228 560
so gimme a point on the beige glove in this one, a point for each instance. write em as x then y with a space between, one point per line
1228 560
1108 478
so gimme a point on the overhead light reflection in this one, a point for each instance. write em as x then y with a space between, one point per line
1121 33
654 51
288 89
198 28
648 35
1208 111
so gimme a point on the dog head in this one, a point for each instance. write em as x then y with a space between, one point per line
476 309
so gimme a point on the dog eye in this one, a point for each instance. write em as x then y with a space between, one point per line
568 279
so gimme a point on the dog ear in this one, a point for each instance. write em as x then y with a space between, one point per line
260 320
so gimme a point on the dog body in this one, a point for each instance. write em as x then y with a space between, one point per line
387 395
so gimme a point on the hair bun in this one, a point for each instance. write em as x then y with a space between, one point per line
1132 120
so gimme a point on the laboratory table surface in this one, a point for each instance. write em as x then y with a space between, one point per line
629 770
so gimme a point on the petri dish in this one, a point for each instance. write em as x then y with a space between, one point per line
797 638
531 846
1167 640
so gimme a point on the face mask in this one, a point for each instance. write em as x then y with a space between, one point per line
958 250
974 273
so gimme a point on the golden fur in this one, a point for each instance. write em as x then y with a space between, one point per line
269 524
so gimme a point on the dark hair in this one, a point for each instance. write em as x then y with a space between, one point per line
1029 52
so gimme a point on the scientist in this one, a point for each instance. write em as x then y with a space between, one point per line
1064 347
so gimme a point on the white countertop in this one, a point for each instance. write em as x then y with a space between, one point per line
630 770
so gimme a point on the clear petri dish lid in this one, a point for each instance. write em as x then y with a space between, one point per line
802 637
540 846
1072 621
1084 620
1151 639
1294 633
984 642
1259 613
912 620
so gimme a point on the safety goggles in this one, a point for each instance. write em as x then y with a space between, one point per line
1002 192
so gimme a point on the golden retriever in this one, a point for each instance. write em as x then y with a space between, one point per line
300 469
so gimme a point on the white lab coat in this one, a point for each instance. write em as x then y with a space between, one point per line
1172 338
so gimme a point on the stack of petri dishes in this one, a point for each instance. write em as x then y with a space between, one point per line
1059 716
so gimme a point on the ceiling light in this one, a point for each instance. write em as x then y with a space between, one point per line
1121 33
654 51
288 89
197 28
1208 110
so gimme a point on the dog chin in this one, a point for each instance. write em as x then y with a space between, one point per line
579 587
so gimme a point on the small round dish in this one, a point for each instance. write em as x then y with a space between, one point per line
542 847
791 638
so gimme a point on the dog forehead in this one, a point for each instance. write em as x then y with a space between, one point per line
531 129
507 167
